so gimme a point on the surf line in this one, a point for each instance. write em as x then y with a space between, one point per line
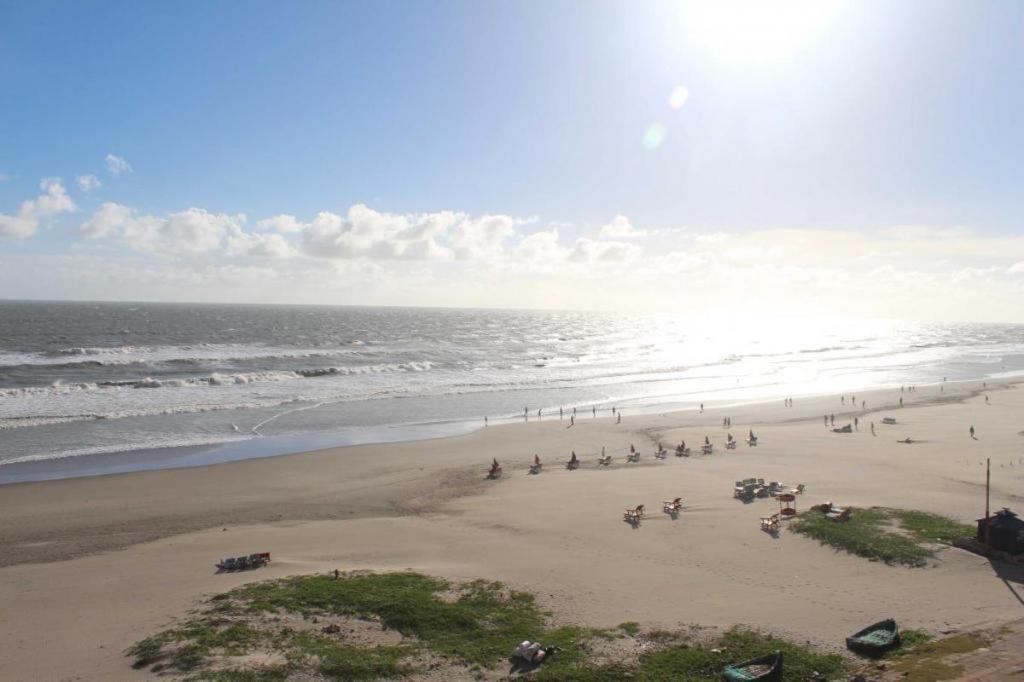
256 429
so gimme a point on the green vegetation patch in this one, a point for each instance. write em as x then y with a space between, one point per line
473 622
895 536
290 627
702 661
926 662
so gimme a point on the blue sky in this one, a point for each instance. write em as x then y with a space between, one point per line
885 115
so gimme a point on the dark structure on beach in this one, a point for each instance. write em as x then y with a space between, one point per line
1006 532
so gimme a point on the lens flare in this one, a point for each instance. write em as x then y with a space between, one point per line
678 97
654 135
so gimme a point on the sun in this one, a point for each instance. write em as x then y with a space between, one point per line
757 29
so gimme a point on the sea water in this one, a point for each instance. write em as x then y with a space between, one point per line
90 388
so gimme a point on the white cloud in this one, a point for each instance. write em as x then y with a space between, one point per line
88 182
25 223
283 223
4 177
620 228
118 164
365 232
1016 268
591 251
190 231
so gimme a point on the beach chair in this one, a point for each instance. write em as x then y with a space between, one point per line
737 488
730 445
672 506
604 461
682 452
770 523
661 454
570 465
706 449
761 490
241 563
633 515
226 564
494 473
798 490
633 457
535 468
752 442
774 488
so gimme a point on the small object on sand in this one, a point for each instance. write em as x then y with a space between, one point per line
768 668
889 420
845 429
875 639
243 563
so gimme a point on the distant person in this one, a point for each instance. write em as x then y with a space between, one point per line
613 409
832 418
863 404
856 423
972 430
572 420
872 428
842 400
618 419
538 414
536 460
901 388
594 410
986 400
707 441
485 421
561 413
526 412
702 408
574 411
901 401
825 417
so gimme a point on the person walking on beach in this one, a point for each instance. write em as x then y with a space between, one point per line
485 420
572 420
825 417
863 404
856 423
872 428
618 419
832 418
594 410
842 400
901 401
561 413
702 408
972 427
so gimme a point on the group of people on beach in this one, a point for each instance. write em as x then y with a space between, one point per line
617 413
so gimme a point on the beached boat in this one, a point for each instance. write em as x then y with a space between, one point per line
875 639
764 668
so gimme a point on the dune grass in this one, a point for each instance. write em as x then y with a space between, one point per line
702 661
895 536
474 625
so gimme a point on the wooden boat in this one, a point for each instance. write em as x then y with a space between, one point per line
764 668
875 639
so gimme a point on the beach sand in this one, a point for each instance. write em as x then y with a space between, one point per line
91 565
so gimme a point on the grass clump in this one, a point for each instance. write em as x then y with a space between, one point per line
476 626
630 628
895 536
705 661
925 661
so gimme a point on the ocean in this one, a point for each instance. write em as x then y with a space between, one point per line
88 388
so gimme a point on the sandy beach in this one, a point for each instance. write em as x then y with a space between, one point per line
91 565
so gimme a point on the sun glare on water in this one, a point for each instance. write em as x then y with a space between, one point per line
757 29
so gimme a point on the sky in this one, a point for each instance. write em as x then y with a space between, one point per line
761 158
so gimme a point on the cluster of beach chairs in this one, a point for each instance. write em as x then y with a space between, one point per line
833 512
636 514
244 563
749 488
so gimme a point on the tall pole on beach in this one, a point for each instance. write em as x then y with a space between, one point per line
988 481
